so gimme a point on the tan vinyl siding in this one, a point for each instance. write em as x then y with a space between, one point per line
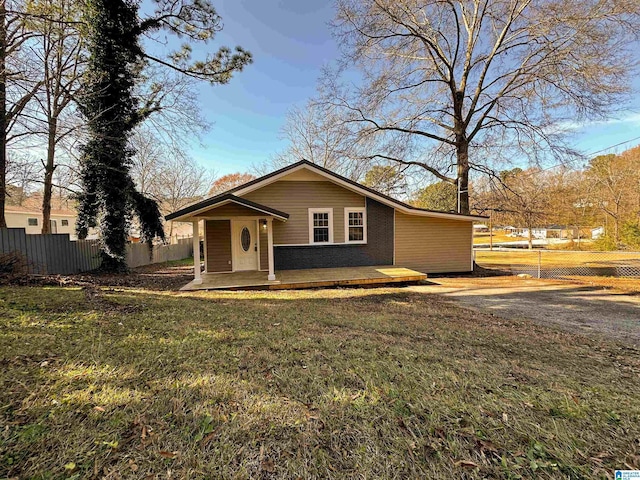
432 245
230 210
218 237
295 198
264 247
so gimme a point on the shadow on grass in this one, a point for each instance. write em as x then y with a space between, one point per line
326 383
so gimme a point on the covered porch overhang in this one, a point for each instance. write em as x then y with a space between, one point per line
234 210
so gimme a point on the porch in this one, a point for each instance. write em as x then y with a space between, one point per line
310 278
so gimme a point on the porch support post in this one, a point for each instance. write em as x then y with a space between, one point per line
197 277
272 275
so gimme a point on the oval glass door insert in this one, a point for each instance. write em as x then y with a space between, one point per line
245 239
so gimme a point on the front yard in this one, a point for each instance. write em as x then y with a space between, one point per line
97 382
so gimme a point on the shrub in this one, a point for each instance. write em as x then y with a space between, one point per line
13 264
605 243
630 235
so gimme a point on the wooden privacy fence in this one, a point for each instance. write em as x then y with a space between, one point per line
58 254
138 253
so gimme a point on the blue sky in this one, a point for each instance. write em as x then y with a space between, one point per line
291 42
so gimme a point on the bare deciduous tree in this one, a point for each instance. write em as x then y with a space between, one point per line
22 171
315 133
614 181
518 196
17 88
61 61
181 181
229 181
388 179
449 85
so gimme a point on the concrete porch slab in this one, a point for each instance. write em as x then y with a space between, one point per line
311 278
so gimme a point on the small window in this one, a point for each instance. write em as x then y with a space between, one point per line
245 239
320 225
65 223
355 227
33 222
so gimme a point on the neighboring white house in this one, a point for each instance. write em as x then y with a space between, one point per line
480 228
62 221
552 231
597 233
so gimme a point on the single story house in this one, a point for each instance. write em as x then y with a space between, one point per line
304 216
480 228
62 221
550 231
597 233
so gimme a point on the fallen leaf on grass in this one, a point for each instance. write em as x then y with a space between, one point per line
208 438
486 446
98 409
165 454
466 464
268 466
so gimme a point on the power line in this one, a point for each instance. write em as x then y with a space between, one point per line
613 146
537 172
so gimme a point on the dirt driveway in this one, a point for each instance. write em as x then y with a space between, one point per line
573 307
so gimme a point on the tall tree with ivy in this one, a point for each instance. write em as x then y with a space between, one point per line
109 198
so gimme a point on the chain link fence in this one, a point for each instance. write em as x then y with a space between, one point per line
560 263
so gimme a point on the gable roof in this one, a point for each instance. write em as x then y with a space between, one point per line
223 199
333 177
38 211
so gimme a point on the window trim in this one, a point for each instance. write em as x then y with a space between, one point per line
64 222
320 210
32 224
362 210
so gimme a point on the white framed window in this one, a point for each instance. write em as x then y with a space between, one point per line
321 225
33 222
355 225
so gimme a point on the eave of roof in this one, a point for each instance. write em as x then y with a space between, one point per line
227 197
362 189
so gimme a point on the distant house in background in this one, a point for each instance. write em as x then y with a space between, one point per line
551 231
28 215
597 233
480 228
62 221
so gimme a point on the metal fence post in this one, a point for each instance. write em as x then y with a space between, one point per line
539 262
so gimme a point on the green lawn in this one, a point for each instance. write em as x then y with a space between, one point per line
351 383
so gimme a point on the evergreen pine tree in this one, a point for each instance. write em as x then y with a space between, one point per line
109 197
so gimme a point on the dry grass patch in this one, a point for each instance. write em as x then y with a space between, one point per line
378 383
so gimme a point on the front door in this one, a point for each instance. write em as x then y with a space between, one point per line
245 251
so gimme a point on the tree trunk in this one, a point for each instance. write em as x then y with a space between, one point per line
616 226
530 238
49 168
3 112
463 175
